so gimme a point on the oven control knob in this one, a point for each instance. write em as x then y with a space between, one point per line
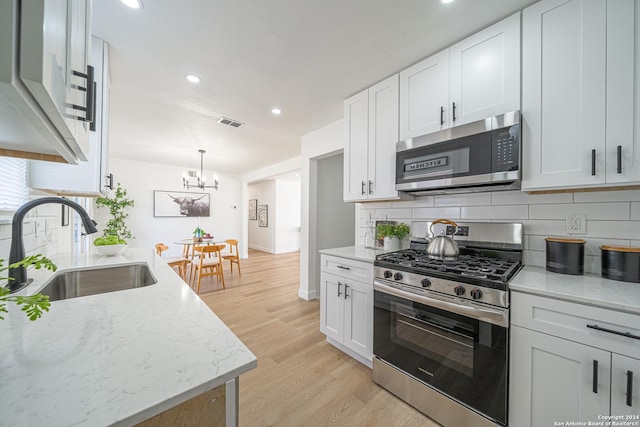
425 283
476 294
459 290
397 276
387 274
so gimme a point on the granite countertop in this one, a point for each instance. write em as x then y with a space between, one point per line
358 253
588 289
116 358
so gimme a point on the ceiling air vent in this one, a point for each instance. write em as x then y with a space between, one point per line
230 122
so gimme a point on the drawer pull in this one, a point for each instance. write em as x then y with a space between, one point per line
629 388
343 267
611 331
595 376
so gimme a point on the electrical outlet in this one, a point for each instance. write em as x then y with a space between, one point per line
576 223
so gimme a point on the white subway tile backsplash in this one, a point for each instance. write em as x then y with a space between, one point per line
594 211
613 217
607 196
435 213
592 264
507 212
473 199
522 198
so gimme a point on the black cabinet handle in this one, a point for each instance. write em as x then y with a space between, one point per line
90 89
346 288
92 126
339 293
363 188
110 179
629 388
593 162
370 185
454 111
619 154
343 267
595 376
441 116
611 331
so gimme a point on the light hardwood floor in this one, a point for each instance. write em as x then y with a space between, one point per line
300 379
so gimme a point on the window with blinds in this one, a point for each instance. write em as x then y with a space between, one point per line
13 183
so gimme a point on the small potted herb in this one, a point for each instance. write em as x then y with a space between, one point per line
392 235
198 233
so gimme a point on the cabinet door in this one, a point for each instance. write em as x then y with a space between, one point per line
485 73
332 306
356 134
358 315
383 136
424 96
563 93
623 91
552 379
625 376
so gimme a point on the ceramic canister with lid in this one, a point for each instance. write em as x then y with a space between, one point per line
621 263
565 256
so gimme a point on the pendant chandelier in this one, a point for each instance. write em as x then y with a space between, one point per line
199 176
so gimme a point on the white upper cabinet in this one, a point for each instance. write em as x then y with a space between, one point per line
371 134
474 79
90 178
580 104
45 84
424 96
485 73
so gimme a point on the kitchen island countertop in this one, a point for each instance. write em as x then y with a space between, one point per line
116 358
588 289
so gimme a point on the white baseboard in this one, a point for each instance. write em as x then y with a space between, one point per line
306 295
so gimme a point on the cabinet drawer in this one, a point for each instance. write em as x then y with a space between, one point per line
586 324
347 268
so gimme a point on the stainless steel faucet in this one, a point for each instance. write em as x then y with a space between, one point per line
18 276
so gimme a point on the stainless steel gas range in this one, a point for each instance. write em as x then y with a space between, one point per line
441 327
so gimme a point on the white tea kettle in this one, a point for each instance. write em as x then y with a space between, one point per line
443 247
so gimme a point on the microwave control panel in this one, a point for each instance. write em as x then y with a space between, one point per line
506 149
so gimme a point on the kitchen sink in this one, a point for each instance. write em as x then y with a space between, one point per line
97 280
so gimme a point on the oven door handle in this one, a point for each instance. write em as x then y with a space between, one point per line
496 317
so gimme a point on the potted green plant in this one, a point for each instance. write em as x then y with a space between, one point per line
32 305
198 233
116 230
392 235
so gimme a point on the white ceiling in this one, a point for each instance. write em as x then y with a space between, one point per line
303 56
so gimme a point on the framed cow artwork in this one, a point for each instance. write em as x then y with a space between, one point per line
180 204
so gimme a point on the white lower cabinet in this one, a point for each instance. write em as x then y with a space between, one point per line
346 307
566 366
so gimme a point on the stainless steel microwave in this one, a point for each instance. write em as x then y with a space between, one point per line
478 156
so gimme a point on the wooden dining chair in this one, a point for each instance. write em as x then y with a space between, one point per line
175 261
232 255
209 263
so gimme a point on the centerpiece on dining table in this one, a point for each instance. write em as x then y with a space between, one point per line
199 234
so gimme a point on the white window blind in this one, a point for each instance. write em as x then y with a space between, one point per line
13 183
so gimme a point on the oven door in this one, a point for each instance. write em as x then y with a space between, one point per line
459 350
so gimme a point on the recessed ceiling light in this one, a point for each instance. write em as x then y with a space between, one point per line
193 78
446 1
276 111
133 4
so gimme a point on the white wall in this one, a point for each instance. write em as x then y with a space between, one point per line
140 179
613 217
315 145
263 238
287 215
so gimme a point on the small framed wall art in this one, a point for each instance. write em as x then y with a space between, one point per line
253 209
263 216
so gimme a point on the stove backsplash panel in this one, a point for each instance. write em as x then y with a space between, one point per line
613 217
